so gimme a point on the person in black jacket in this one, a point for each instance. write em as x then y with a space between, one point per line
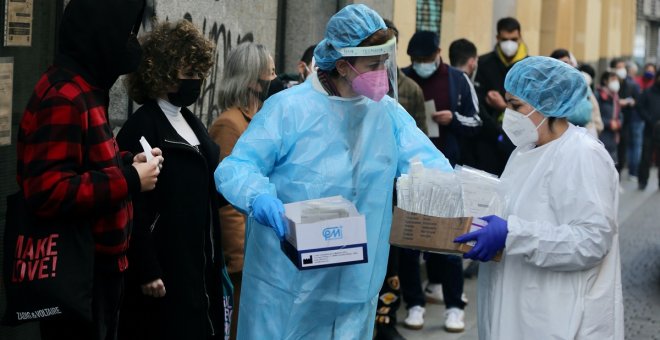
174 287
489 84
649 110
631 134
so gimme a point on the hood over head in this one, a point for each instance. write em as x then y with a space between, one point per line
99 38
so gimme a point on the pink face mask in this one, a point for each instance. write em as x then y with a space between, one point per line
371 84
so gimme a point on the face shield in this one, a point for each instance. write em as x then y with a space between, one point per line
384 55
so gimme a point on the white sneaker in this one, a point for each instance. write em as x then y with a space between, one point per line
633 179
454 320
433 293
415 318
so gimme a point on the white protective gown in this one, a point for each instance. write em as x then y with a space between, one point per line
560 277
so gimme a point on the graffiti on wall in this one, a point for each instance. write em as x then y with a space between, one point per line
206 107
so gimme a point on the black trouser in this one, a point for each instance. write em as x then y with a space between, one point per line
389 298
622 147
108 291
441 268
647 155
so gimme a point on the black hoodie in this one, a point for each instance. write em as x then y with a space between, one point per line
97 39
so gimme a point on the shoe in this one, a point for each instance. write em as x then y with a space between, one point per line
454 320
433 293
641 186
415 318
632 179
387 332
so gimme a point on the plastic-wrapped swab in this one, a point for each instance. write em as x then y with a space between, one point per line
465 192
325 209
430 192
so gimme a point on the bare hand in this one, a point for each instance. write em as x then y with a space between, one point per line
154 288
142 158
494 99
614 125
148 172
443 117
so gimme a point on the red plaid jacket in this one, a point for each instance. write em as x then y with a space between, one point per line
64 117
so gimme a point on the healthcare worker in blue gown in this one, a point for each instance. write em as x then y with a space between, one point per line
336 134
560 276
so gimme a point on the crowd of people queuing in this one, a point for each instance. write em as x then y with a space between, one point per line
181 235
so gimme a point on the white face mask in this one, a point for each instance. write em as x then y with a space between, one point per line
425 70
520 129
614 86
509 47
621 73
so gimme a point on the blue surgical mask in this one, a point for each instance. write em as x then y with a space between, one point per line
425 70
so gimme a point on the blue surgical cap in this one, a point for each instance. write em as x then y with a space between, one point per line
348 28
552 87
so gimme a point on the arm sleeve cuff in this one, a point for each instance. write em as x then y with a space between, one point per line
132 179
127 158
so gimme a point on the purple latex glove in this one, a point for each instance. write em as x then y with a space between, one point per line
269 211
490 239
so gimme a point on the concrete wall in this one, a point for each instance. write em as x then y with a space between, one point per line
405 19
587 30
305 26
469 19
528 12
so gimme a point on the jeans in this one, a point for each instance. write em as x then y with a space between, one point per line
444 269
634 146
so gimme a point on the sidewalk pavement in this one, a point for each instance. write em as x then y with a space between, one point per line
639 213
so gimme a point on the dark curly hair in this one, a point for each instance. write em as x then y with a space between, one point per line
170 47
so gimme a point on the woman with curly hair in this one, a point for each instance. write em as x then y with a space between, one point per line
246 79
174 286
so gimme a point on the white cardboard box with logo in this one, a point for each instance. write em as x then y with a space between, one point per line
326 242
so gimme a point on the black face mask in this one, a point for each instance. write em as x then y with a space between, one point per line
276 85
263 94
189 90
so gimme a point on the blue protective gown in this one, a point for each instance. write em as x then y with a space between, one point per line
305 144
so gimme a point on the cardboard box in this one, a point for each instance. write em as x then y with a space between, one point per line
430 233
328 243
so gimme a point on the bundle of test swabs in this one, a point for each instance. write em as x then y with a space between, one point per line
464 192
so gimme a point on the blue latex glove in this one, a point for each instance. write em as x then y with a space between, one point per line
269 211
490 239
